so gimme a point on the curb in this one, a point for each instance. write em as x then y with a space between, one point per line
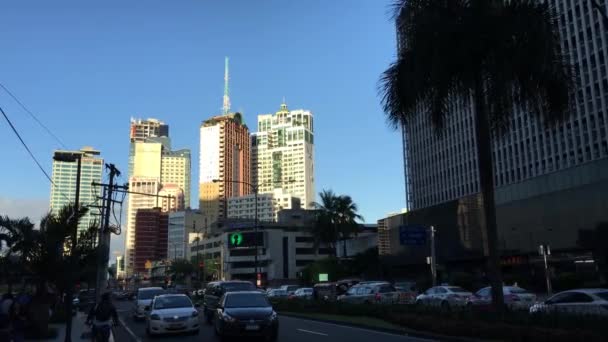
403 332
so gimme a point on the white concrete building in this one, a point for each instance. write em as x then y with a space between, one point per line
283 154
182 225
440 169
154 169
269 205
65 176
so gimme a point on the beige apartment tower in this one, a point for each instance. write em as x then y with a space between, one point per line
224 163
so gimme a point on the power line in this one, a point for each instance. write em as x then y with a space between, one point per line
33 116
34 157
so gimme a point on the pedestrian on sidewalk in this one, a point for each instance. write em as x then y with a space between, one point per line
18 319
102 316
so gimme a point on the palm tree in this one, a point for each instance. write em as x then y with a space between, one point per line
500 55
346 211
335 219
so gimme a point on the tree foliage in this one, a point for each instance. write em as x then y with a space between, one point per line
336 219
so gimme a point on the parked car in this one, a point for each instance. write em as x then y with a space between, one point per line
143 299
371 293
324 291
444 296
407 292
172 313
277 293
290 289
302 293
515 297
579 301
216 289
246 314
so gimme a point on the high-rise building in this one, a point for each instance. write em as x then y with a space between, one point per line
269 205
224 160
151 227
550 181
283 154
63 189
175 169
142 131
183 227
157 172
443 169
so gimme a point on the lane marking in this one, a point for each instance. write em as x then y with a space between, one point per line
364 329
124 325
312 332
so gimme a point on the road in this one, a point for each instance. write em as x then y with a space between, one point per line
290 330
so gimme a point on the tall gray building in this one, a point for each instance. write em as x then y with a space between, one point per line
550 182
444 168
63 189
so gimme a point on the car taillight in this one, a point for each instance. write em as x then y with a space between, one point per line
378 297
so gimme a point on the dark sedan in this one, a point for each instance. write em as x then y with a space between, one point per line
246 314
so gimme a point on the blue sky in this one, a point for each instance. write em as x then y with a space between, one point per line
86 67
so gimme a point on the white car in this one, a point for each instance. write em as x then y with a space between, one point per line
580 301
515 297
303 293
144 298
444 297
277 293
172 313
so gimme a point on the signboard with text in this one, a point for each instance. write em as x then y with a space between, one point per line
245 240
412 235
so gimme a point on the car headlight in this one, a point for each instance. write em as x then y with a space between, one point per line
154 317
227 318
194 313
273 316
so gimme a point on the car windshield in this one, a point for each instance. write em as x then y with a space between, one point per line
172 302
149 294
246 300
456 289
234 287
603 295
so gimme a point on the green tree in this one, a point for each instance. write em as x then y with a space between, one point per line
498 56
336 219
181 268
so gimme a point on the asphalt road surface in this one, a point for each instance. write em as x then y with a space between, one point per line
290 330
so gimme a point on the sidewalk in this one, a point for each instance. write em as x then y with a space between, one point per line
80 331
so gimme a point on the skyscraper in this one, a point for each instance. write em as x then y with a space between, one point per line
283 154
224 158
443 169
154 170
63 191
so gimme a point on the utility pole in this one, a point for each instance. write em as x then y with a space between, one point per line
433 261
103 246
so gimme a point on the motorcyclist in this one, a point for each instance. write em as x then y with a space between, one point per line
102 316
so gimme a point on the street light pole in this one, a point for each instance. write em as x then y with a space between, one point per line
71 157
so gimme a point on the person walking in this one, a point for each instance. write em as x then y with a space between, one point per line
18 321
101 317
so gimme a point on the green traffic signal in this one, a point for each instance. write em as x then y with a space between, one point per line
236 239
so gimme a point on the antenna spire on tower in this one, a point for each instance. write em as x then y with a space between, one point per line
226 105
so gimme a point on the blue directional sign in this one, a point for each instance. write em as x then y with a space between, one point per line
412 235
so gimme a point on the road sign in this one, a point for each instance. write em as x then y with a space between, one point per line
148 265
412 235
236 239
323 277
